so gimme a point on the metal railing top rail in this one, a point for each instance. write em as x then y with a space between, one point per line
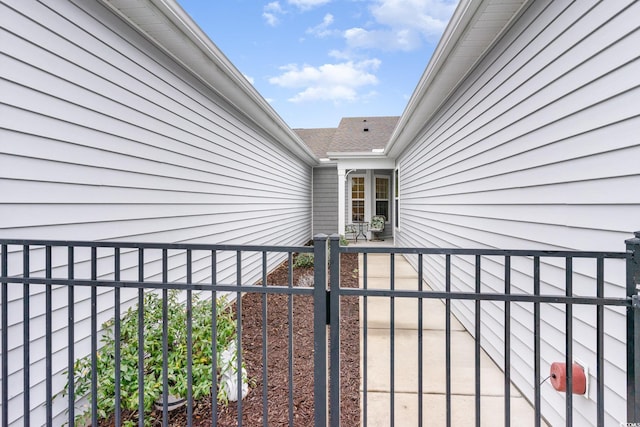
486 252
156 245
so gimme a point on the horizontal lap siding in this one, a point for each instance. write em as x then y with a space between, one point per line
104 137
536 149
325 201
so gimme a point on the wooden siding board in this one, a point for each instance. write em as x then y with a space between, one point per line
178 92
325 200
532 151
498 83
102 136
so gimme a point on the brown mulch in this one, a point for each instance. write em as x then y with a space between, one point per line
278 357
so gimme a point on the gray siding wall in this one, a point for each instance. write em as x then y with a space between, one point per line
325 200
538 148
105 137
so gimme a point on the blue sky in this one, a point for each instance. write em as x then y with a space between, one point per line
317 61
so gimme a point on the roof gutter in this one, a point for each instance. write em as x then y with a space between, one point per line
406 127
168 26
440 78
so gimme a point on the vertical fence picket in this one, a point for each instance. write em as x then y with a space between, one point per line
507 342
392 343
477 335
633 329
71 333
536 343
420 343
190 343
600 341
165 340
334 339
569 341
117 338
5 338
290 333
26 340
365 330
94 337
239 335
447 334
265 345
48 338
141 339
214 338
320 330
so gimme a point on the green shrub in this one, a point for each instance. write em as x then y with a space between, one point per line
176 355
303 260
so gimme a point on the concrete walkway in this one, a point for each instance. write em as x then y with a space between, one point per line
405 325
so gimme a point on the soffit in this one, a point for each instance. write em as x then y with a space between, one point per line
474 27
166 24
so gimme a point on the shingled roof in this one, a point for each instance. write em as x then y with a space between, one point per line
318 140
353 134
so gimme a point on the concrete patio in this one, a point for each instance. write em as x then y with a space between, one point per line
405 324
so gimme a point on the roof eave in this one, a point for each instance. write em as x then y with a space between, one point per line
432 89
168 26
354 154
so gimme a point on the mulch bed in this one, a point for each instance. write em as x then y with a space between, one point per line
278 356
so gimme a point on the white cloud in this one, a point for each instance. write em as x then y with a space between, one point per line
249 79
328 82
322 30
271 12
401 39
405 24
307 4
338 54
428 17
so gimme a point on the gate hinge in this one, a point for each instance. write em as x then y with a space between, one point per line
328 306
635 301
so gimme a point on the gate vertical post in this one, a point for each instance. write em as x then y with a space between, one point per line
633 330
320 330
334 328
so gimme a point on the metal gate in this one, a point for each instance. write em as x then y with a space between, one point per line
30 272
569 299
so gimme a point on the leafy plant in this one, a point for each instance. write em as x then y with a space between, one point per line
303 260
176 355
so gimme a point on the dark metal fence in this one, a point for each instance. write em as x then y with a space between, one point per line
40 264
569 299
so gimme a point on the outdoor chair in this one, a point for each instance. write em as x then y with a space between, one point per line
351 229
377 226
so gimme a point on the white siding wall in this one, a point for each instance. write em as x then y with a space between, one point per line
104 137
538 148
325 200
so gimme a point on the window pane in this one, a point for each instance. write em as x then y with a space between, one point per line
396 183
357 187
382 188
382 208
357 210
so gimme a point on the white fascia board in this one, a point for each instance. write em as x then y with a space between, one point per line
353 154
440 78
168 26
328 164
413 116
362 163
